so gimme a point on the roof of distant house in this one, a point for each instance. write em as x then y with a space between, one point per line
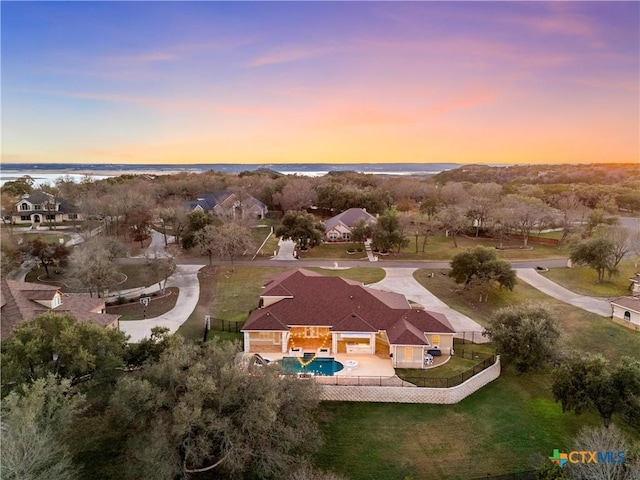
208 201
343 305
19 302
349 218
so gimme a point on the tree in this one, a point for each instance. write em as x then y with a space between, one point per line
387 232
527 213
360 231
19 187
196 411
57 343
481 266
483 197
160 267
138 221
597 253
233 240
93 268
297 194
618 235
599 216
205 239
301 227
47 254
594 439
524 335
196 223
11 253
34 420
584 382
454 220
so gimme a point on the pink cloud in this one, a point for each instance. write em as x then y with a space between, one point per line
290 54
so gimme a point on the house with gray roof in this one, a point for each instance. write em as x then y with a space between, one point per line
339 228
41 207
226 203
301 312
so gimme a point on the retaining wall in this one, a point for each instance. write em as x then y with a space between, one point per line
335 393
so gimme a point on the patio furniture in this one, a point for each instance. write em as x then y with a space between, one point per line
435 352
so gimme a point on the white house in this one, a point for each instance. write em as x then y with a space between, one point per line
627 309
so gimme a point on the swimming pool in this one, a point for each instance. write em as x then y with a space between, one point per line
325 366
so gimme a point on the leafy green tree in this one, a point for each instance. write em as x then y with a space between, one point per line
197 411
597 253
481 266
196 223
524 336
585 382
19 187
550 471
57 343
47 254
360 231
35 418
302 227
387 232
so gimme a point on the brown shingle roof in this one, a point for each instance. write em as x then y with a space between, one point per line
19 304
632 303
344 306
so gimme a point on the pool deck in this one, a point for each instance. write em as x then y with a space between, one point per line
368 365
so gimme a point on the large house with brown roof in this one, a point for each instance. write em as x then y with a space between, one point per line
22 301
304 312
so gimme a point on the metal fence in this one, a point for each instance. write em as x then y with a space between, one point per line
407 381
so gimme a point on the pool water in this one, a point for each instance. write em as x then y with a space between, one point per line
325 366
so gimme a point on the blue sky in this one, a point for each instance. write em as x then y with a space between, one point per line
277 82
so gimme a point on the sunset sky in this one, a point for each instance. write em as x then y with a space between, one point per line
309 82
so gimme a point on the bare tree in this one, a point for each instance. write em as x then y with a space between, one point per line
483 197
454 220
298 194
618 236
90 266
161 267
528 213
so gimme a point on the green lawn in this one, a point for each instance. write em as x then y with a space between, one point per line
46 237
158 305
366 275
335 251
583 280
510 425
227 295
258 235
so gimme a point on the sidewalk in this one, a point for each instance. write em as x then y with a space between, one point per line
400 280
186 279
590 304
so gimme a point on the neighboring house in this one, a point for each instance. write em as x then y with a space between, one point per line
338 228
627 309
635 284
22 301
302 311
229 204
41 207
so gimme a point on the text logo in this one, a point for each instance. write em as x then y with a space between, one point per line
561 458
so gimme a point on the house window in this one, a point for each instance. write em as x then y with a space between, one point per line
37 207
265 336
627 316
333 236
435 340
408 354
26 218
24 206
56 301
73 216
50 217
346 236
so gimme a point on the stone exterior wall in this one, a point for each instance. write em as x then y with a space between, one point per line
455 394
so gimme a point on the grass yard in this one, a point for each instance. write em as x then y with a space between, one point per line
258 235
227 295
335 251
510 425
580 330
46 237
366 275
582 280
157 306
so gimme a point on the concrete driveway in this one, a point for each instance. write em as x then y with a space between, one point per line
400 280
590 304
285 252
186 279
